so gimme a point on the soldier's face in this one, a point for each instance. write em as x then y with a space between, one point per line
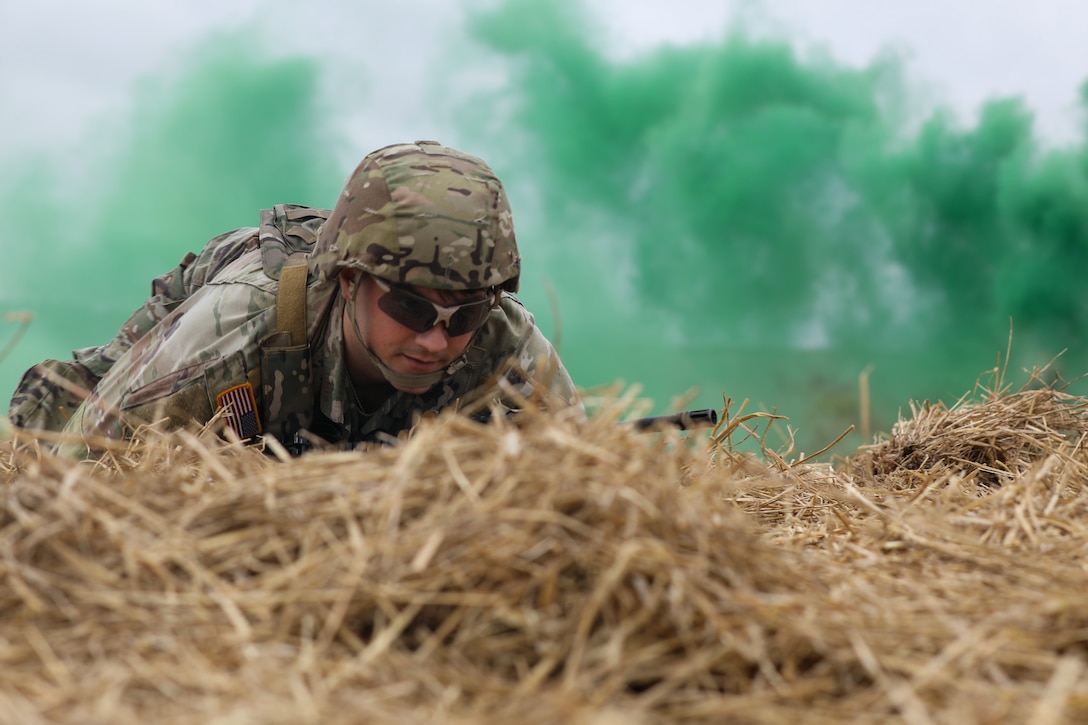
402 349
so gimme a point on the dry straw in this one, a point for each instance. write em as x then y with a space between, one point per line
544 570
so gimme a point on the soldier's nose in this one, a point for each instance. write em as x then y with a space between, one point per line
435 339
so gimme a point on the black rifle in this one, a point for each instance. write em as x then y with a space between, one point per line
684 420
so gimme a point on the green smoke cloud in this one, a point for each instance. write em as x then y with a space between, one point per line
789 221
203 149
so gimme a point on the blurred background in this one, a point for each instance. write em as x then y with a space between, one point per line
772 201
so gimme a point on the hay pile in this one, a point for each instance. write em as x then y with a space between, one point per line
552 571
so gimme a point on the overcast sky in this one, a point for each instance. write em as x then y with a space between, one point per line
65 63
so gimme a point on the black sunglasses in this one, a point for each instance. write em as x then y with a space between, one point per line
419 314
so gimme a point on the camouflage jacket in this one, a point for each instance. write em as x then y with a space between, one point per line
205 330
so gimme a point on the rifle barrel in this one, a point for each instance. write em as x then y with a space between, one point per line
684 420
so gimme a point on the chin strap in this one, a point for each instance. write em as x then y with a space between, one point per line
398 380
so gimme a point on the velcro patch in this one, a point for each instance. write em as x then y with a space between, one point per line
240 410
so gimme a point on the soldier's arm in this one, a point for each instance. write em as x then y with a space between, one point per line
537 374
49 394
208 344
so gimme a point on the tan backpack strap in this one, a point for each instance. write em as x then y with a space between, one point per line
291 299
287 393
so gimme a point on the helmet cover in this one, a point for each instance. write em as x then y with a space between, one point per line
422 214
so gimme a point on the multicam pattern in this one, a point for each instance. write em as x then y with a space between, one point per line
423 214
201 333
44 401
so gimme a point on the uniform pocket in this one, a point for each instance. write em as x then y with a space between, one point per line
165 386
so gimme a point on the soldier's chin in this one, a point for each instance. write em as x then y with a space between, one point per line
414 390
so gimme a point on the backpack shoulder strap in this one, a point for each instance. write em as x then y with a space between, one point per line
287 390
291 300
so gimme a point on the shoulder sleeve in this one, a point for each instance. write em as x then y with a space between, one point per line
540 374
210 343
535 371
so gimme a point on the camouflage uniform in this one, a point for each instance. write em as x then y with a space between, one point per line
210 326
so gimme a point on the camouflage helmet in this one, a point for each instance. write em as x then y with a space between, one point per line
422 214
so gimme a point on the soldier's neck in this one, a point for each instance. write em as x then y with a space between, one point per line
371 396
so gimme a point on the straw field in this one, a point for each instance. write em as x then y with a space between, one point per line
544 570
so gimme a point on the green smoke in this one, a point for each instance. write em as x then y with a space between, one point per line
233 134
787 221
203 150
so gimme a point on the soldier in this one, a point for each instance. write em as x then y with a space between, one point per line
342 325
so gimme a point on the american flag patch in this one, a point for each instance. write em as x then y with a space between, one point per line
240 410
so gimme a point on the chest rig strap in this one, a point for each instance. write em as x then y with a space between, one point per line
286 373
